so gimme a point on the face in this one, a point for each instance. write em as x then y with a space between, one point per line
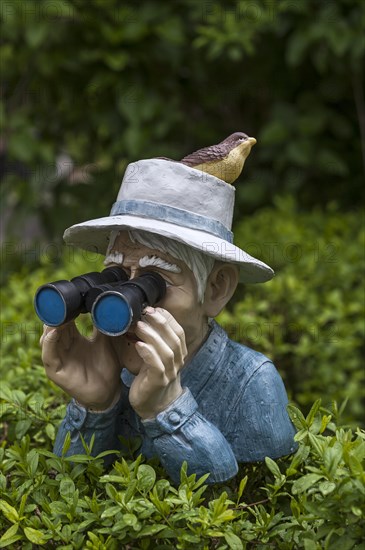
181 298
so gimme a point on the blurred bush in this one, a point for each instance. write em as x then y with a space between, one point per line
310 318
89 86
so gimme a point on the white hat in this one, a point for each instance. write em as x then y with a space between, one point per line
178 202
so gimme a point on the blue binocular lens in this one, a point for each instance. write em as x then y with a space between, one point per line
50 306
61 301
120 305
112 314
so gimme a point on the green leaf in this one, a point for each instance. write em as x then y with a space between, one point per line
233 541
2 482
241 488
67 488
32 461
35 536
327 487
110 512
150 530
310 545
50 431
326 419
303 483
355 466
273 467
146 476
21 427
312 413
316 443
36 402
23 502
9 512
10 536
66 444
130 519
131 489
297 417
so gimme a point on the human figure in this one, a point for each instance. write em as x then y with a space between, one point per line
175 379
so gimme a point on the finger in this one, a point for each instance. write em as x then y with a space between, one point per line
171 357
49 333
155 370
57 341
167 326
170 330
46 329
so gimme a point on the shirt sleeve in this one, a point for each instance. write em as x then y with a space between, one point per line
180 433
82 423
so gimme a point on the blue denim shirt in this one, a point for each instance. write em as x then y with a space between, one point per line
232 409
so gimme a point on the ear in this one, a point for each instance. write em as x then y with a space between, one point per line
221 284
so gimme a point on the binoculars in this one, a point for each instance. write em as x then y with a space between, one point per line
114 301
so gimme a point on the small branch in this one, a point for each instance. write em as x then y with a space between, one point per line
243 506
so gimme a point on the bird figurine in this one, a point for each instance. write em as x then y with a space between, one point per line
224 160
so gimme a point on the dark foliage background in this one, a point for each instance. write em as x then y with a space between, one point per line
98 84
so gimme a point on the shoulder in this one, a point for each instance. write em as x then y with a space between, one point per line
244 362
254 373
258 424
239 371
257 380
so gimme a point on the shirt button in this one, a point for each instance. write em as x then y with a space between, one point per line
174 418
75 415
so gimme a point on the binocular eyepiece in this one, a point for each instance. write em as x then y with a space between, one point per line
114 301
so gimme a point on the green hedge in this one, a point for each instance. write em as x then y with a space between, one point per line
312 500
308 319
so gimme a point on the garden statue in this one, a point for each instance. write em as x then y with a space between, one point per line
159 366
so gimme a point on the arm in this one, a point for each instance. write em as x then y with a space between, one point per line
169 415
89 371
81 422
181 433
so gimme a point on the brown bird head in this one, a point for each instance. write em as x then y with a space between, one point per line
235 139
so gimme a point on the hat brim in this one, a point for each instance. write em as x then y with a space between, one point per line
93 235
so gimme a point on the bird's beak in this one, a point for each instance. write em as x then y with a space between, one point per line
247 145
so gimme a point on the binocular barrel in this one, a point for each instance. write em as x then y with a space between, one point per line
58 302
117 307
114 301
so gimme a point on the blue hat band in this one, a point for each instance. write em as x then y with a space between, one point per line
170 214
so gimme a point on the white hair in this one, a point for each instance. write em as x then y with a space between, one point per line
155 261
200 264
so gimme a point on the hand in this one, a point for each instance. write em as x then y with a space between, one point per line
163 350
87 369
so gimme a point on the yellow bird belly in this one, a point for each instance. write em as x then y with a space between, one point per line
230 167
